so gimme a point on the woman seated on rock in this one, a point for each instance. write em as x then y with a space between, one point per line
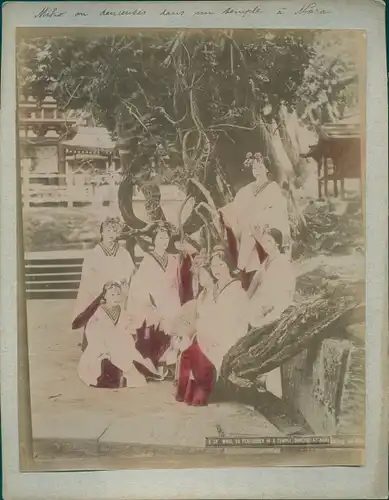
111 359
219 321
270 293
272 289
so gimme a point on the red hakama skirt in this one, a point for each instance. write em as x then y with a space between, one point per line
151 342
196 376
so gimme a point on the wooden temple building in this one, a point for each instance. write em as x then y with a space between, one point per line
338 154
42 127
63 160
92 166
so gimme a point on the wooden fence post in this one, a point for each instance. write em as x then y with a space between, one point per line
69 184
26 164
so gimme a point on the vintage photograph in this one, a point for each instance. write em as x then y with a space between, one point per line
193 240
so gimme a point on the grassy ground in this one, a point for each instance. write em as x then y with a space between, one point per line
47 229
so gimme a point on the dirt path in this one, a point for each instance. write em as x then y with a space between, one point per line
64 409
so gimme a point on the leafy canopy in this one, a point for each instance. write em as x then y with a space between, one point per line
186 91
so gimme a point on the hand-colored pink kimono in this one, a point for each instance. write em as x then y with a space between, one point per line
102 265
221 322
253 207
110 359
154 301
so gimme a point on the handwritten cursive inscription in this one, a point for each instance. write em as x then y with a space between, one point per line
47 12
311 9
202 13
166 12
115 13
242 12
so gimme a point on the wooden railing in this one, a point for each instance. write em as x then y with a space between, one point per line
69 189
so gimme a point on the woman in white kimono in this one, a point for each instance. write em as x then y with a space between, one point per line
260 203
108 261
220 322
270 293
272 289
111 359
154 298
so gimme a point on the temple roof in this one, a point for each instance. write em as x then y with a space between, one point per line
92 140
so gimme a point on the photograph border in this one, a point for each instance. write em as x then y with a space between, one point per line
13 319
238 457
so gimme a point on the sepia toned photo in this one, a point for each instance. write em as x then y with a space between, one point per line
192 229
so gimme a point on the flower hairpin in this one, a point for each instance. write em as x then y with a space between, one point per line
250 157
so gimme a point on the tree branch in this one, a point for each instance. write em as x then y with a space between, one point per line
230 125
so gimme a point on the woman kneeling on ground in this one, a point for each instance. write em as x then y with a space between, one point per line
214 322
111 359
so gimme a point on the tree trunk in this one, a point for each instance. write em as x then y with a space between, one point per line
290 136
328 303
153 206
125 201
226 167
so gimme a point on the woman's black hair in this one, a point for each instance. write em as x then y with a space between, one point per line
165 226
113 284
224 255
106 222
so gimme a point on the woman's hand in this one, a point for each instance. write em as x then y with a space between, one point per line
106 286
185 247
267 310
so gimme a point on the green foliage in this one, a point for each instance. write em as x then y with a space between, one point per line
193 94
154 87
331 81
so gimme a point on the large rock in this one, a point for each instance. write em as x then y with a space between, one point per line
326 384
329 297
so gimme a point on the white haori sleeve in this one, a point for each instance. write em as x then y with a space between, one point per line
230 217
274 294
89 366
90 284
97 270
272 209
123 351
234 312
139 305
238 211
124 271
227 323
124 267
168 298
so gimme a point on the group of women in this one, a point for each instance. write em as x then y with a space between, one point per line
166 318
